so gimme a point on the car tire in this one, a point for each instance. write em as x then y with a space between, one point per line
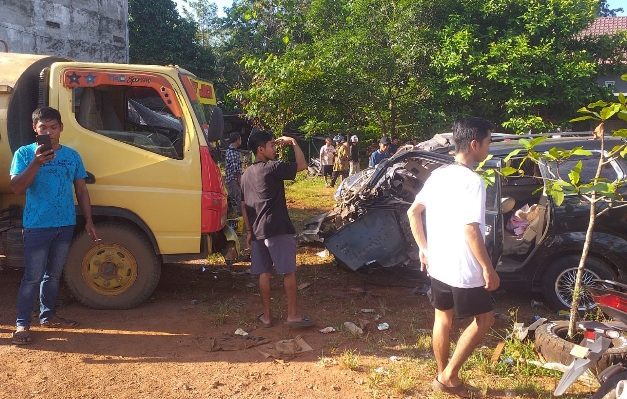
550 343
559 279
119 272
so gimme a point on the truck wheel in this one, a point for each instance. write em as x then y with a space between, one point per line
119 272
550 342
559 281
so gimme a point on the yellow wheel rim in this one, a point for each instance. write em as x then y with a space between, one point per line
109 269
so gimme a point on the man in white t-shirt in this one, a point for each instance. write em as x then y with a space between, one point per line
327 156
455 255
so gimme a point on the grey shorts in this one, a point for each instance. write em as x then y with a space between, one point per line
279 251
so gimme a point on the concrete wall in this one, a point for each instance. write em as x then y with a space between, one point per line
86 30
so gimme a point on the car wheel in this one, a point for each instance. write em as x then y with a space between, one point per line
559 281
551 343
119 272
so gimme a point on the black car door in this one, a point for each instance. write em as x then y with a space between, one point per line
493 214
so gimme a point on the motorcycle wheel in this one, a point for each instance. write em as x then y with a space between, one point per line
608 388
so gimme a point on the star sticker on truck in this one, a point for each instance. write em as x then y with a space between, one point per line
74 78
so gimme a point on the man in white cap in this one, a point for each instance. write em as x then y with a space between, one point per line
354 155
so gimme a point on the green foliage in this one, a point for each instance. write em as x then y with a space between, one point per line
159 35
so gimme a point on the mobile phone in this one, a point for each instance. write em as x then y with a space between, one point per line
44 139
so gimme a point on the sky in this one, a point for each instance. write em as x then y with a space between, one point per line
227 3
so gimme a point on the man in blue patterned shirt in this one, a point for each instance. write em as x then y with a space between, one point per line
49 178
233 172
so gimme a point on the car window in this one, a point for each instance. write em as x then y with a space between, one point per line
610 171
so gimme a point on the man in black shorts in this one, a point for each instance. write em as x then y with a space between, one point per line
327 156
455 255
269 230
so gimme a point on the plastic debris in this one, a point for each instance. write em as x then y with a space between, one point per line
383 326
367 311
241 332
381 370
328 330
395 359
352 327
324 254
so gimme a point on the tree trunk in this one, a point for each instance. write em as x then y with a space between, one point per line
574 306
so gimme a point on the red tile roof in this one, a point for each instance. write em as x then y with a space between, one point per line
605 26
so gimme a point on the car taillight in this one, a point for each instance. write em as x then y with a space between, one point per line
213 200
612 301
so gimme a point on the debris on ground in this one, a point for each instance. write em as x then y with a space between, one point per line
352 327
251 285
230 343
324 254
302 286
240 332
367 311
383 327
395 359
286 348
327 330
363 323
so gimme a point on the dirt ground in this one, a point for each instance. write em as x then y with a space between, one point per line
162 348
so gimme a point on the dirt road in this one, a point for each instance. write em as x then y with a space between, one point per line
162 348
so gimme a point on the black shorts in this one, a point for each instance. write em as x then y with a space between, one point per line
467 302
327 170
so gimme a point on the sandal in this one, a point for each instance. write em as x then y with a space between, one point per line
21 337
263 323
459 390
58 322
304 322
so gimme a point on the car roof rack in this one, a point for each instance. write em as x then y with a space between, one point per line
508 136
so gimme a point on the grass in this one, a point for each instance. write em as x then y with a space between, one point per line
350 360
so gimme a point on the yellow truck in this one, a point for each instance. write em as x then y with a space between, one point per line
145 134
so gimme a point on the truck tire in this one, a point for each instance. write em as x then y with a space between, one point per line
550 343
607 390
119 272
559 280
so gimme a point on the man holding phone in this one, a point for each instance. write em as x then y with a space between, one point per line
48 173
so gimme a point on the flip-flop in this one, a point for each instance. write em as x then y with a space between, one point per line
304 322
21 337
263 323
459 390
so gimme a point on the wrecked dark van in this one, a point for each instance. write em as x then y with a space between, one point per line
369 227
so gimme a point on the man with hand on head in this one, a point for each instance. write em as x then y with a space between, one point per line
270 233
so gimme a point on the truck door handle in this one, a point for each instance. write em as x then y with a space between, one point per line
91 179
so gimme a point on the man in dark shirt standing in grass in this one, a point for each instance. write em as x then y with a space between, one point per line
269 230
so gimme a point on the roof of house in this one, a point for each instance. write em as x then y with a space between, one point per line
605 26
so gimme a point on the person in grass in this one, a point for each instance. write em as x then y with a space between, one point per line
269 230
49 178
454 252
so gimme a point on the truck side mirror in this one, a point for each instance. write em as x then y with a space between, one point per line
216 125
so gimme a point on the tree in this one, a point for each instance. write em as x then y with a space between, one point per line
601 194
519 63
158 35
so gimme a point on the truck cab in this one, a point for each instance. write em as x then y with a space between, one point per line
144 134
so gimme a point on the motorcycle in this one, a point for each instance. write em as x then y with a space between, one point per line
611 298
